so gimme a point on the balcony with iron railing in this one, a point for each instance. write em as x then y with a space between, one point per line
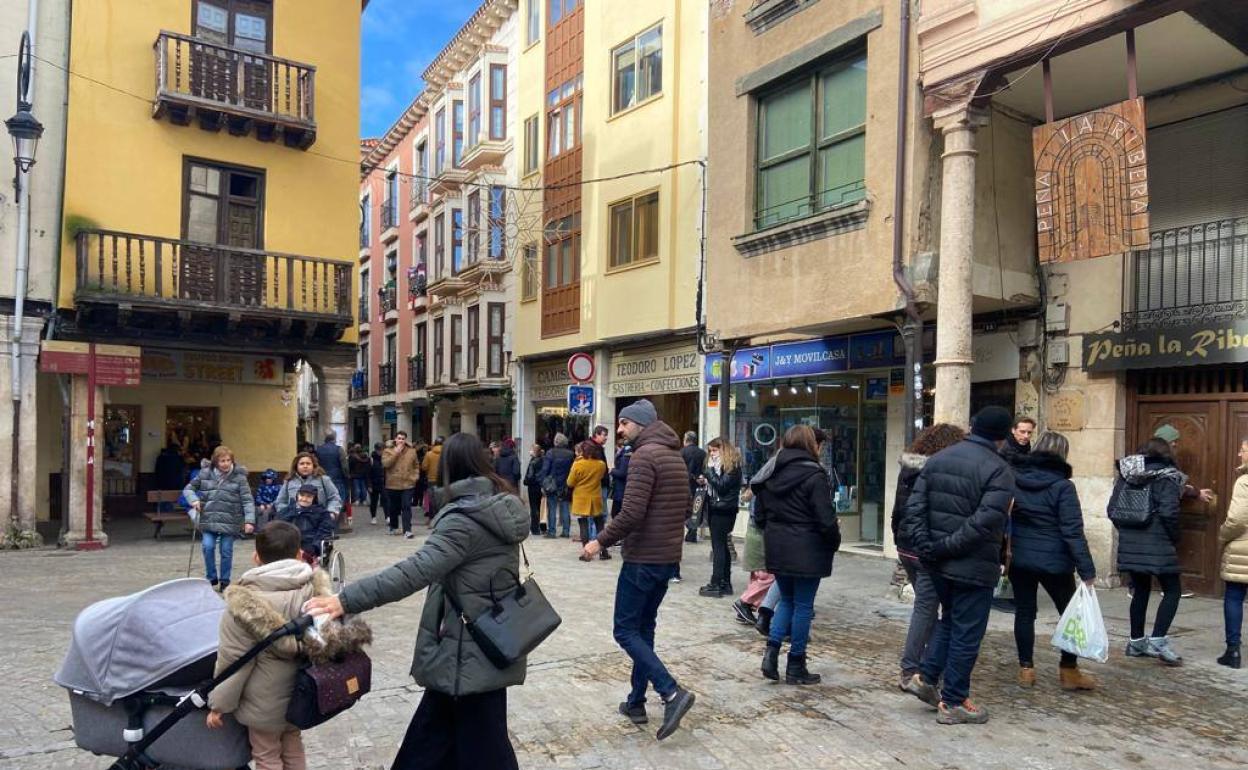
416 378
420 200
138 280
226 87
385 378
359 384
389 220
388 303
1188 275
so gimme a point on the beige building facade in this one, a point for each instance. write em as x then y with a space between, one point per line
1124 188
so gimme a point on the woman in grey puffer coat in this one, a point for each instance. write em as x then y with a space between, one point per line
462 719
222 499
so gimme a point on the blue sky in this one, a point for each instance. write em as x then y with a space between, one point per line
400 38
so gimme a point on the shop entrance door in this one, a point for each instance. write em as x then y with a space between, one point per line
194 430
1205 444
122 430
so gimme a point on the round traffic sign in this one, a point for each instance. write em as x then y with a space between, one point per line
581 367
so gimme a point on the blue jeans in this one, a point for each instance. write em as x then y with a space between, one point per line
359 490
562 508
794 612
638 594
1233 611
210 543
954 646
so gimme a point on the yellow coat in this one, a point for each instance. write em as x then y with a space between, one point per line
1234 533
585 481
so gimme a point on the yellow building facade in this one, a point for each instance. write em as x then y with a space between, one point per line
209 219
611 91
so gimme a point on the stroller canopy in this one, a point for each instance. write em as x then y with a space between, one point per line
123 645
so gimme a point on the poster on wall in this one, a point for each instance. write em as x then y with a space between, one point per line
1092 183
212 368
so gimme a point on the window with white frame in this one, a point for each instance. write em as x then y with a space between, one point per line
474 110
533 27
439 132
498 102
637 70
563 132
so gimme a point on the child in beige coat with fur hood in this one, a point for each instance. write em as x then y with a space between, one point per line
264 599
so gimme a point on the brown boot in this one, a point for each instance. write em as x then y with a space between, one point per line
1074 679
1027 677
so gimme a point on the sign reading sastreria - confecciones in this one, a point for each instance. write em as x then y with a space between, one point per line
1092 183
1211 343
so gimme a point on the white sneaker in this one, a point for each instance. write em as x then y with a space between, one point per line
408 535
373 521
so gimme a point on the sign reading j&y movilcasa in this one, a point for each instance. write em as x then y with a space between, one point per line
1092 183
1210 343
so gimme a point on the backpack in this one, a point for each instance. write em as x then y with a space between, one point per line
1131 505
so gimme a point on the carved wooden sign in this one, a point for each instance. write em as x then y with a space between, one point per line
1092 183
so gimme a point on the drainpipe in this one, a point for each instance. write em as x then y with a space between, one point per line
913 325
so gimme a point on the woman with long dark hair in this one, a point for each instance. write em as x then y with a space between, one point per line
801 534
462 718
930 440
722 481
1150 550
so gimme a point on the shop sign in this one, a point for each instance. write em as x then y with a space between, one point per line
390 415
654 371
549 382
212 368
1210 343
747 364
581 399
877 349
115 365
796 359
1092 183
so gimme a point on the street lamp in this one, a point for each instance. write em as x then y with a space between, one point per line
23 126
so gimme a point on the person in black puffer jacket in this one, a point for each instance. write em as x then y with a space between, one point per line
376 482
794 510
1047 546
1151 550
931 440
955 519
722 480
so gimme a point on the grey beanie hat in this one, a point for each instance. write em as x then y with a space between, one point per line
641 412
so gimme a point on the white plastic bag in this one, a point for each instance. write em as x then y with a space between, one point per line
1081 631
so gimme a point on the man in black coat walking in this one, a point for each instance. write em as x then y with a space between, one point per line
955 519
695 460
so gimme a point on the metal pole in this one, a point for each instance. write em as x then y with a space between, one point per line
90 541
913 325
725 397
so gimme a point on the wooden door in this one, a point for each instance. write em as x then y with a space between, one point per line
1201 454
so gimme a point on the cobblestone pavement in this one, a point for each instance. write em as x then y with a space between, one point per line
564 717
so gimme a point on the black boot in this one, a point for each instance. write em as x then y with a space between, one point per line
764 621
771 662
795 672
725 588
1230 658
712 590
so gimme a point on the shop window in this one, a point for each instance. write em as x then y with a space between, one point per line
193 430
812 143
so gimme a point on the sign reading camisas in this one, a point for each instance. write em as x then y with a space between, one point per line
1092 183
654 371
1212 343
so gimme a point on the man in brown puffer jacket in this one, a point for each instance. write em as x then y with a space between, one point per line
651 524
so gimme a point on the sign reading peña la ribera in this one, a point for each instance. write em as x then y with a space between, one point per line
1210 343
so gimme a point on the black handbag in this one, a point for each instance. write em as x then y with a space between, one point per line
325 690
515 623
1131 506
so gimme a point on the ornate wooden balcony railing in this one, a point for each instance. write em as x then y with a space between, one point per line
239 89
147 270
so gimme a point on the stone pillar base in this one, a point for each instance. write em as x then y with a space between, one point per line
77 539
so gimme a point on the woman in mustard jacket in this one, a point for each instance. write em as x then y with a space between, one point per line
585 484
1234 538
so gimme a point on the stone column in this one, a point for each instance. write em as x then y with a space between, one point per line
374 425
405 420
468 416
335 385
442 420
22 526
76 532
957 244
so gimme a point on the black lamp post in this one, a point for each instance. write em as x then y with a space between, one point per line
23 127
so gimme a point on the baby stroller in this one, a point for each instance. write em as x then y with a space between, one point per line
138 664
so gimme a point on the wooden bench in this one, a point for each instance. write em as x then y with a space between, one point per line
158 517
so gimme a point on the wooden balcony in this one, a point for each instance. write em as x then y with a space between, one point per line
145 286
487 153
241 91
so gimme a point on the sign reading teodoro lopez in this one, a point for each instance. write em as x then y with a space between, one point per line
1209 343
673 369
